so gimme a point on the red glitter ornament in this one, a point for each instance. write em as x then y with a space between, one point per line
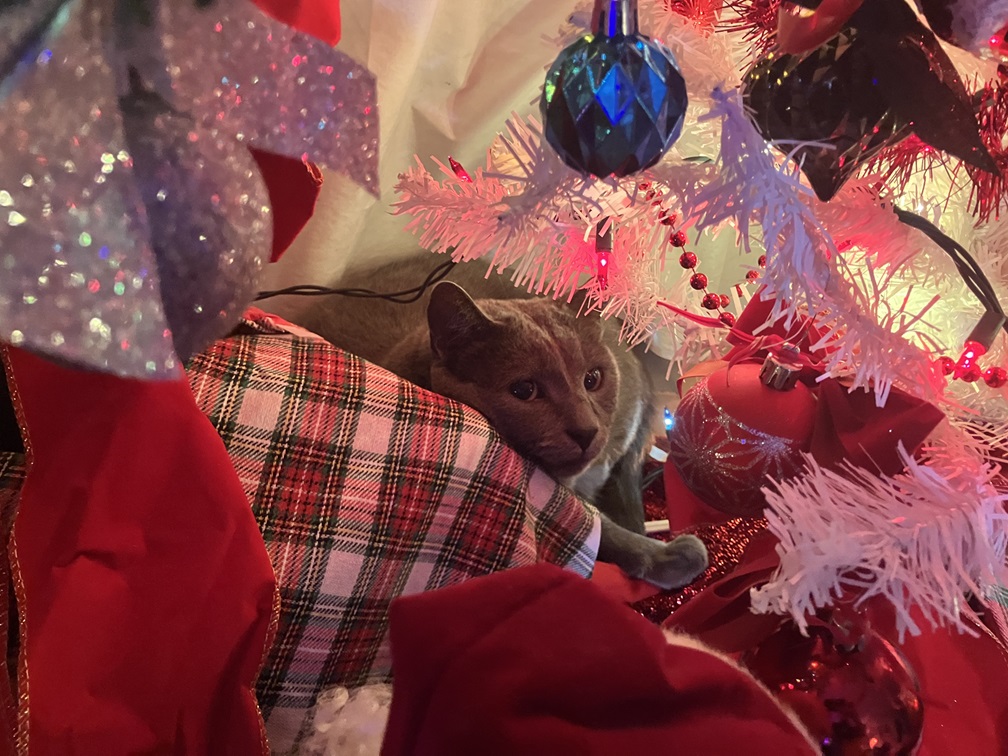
678 239
711 302
725 301
698 281
731 430
762 261
727 318
668 218
995 377
853 690
688 260
752 276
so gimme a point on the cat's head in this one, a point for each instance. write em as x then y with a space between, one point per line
542 376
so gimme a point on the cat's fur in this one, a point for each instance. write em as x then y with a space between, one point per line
587 429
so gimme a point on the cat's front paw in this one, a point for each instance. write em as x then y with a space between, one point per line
680 562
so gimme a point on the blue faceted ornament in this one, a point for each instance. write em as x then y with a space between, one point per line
614 101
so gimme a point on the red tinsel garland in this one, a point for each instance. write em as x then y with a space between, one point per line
757 19
703 13
990 190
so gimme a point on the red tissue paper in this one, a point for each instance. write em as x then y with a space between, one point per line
145 594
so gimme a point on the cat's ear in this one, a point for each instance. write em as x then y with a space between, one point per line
454 318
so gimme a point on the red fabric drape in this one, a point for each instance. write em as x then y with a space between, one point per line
320 18
536 660
147 592
293 187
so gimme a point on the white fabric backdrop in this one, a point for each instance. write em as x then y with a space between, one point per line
449 74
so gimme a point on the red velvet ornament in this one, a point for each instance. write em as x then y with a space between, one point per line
731 431
855 695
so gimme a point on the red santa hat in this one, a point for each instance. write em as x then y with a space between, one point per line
539 661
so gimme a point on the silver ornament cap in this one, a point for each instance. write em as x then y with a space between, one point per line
782 367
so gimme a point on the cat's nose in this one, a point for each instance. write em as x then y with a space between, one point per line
583 436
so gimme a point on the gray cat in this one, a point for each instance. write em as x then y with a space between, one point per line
558 388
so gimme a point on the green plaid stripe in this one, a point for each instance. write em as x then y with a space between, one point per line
366 488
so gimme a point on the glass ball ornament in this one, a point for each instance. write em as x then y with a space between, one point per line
613 101
829 98
853 690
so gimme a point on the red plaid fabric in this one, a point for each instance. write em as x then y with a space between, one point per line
366 488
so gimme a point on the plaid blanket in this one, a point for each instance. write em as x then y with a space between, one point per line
366 488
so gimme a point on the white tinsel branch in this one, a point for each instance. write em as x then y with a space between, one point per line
806 272
922 540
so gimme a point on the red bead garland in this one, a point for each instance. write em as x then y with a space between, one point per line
967 369
689 261
711 301
995 377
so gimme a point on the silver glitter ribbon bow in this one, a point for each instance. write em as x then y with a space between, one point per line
79 258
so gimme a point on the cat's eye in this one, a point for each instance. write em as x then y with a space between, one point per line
524 390
593 379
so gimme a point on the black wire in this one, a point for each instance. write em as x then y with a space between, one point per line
967 266
651 477
405 296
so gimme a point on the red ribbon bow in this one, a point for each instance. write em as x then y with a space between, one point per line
848 426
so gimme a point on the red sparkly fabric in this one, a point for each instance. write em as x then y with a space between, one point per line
726 543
